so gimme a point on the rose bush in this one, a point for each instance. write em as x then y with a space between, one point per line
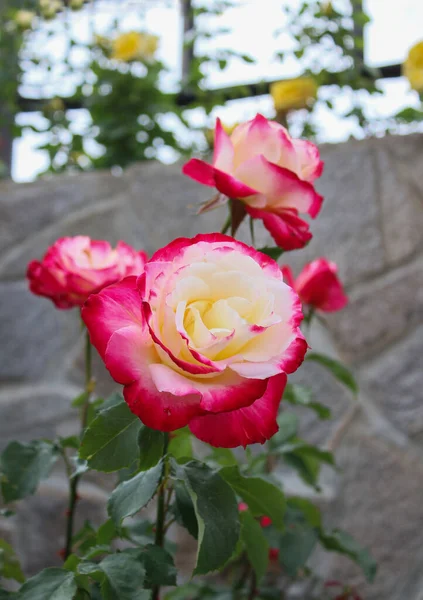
204 337
270 172
318 285
75 267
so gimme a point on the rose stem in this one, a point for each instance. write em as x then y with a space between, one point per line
161 512
73 484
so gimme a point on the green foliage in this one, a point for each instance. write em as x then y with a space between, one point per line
159 566
255 542
9 563
216 510
184 510
151 443
132 495
273 252
52 583
180 445
342 542
111 440
124 577
299 395
23 466
263 498
338 370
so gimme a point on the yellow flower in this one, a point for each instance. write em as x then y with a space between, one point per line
413 67
132 45
24 18
293 93
209 133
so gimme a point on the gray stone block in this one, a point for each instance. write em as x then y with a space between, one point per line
348 228
34 334
25 209
35 411
112 220
395 382
379 312
401 193
379 503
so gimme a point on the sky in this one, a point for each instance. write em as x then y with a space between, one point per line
387 39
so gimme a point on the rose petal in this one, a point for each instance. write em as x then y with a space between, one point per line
253 424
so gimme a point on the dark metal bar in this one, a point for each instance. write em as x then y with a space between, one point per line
185 98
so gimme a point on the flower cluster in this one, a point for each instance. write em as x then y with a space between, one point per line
204 333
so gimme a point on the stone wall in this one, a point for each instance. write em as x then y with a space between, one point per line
371 225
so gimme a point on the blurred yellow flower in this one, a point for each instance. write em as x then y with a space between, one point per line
209 133
293 93
24 19
132 45
413 67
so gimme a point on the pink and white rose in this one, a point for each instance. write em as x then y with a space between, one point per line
271 172
75 267
318 285
204 337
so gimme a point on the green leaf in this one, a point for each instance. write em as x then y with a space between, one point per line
256 544
23 466
132 495
72 441
344 543
71 563
288 427
296 546
50 584
305 510
159 566
184 510
274 253
151 444
306 460
111 441
113 400
262 497
224 457
217 515
9 563
106 532
80 400
180 445
302 396
338 370
124 577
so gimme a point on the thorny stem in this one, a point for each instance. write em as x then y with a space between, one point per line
73 485
161 512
